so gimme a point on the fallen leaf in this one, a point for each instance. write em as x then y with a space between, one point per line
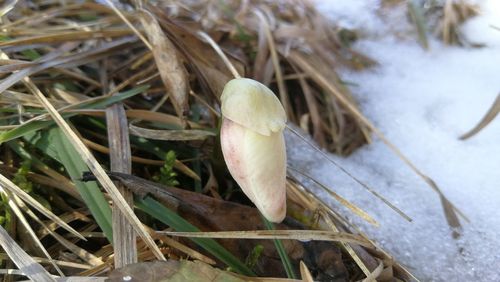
172 71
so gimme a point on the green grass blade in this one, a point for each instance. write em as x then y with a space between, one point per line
26 128
287 264
100 104
418 18
33 126
167 216
55 144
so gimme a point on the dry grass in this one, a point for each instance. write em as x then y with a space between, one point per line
115 79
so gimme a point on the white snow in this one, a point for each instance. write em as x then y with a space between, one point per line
423 101
485 29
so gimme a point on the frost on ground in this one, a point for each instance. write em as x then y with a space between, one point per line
423 101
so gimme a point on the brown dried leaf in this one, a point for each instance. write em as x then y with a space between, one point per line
178 271
211 214
172 271
209 68
172 71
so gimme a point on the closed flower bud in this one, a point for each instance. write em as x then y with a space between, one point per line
253 144
253 105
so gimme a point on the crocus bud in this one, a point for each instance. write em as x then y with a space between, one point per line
253 144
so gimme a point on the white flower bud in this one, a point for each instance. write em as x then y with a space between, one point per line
253 105
253 144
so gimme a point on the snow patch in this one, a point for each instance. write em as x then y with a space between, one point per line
486 28
423 101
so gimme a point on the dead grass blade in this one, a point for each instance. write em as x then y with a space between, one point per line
96 169
347 246
7 7
11 97
318 134
53 178
129 24
68 264
355 209
276 64
336 222
159 117
187 250
80 252
375 273
17 76
124 238
83 254
305 273
303 235
82 279
321 208
262 54
11 202
490 115
49 227
170 135
14 189
24 262
221 54
453 14
143 115
50 182
66 36
186 170
177 165
55 58
171 69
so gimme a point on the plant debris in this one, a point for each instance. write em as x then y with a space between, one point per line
117 87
